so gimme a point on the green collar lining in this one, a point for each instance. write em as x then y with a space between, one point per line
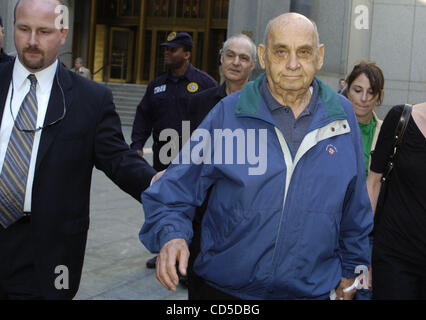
250 98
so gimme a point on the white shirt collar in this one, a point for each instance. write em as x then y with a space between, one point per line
44 77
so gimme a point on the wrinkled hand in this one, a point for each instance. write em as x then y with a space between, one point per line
173 251
157 177
345 283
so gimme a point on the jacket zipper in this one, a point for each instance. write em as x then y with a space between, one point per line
311 139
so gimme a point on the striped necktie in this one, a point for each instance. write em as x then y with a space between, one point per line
13 178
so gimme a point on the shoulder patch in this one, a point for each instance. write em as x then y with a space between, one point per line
193 87
160 89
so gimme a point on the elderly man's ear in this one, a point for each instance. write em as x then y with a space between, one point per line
261 51
321 51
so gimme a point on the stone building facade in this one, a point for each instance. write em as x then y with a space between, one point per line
389 32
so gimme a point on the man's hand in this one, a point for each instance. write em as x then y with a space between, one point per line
157 177
140 153
345 283
173 251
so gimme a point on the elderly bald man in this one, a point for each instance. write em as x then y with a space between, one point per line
296 228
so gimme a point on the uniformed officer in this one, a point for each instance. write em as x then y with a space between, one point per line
165 103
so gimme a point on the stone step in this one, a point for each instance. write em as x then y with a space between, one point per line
126 99
126 108
127 96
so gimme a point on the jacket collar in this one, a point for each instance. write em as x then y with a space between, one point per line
6 70
55 110
251 104
221 91
187 75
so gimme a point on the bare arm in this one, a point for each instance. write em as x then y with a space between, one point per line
373 187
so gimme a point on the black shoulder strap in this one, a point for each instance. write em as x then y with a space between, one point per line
402 125
399 133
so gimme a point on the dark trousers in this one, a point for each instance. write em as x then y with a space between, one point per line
395 278
17 276
198 289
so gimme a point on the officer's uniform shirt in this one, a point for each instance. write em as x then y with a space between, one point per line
165 106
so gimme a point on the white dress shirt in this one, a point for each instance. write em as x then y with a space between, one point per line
21 87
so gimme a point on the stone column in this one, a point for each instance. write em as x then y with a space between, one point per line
360 32
6 11
398 45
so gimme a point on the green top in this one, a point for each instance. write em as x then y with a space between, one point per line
367 132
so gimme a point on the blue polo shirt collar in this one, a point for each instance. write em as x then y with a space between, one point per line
273 104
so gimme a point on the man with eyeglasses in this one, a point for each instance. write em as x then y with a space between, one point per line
165 104
3 56
55 128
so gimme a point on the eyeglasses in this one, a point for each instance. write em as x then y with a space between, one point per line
42 127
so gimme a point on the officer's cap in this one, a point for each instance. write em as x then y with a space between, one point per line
177 40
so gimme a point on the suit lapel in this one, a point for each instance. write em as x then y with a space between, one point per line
55 110
5 77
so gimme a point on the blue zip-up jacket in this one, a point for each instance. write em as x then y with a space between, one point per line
288 227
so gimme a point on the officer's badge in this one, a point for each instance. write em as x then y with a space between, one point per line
193 87
172 36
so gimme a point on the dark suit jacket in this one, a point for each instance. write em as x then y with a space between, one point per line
89 135
4 57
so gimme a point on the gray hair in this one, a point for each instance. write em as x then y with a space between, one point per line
241 36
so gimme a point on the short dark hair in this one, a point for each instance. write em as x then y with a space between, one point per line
1 22
19 1
374 75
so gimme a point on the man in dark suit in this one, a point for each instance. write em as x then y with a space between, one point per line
238 59
3 56
56 126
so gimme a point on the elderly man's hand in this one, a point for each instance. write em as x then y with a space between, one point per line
173 251
345 283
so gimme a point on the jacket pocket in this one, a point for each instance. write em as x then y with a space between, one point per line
320 238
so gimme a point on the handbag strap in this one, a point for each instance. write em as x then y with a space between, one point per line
399 133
